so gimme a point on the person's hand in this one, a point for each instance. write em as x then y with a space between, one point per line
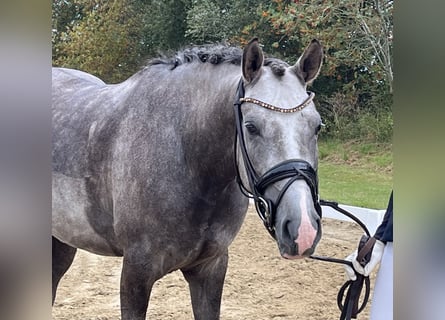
376 256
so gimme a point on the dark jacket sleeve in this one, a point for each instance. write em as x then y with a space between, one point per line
384 231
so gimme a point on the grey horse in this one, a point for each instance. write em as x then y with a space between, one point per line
146 169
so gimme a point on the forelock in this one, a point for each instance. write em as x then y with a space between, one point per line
277 66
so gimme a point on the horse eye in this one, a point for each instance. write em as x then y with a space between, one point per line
317 130
251 128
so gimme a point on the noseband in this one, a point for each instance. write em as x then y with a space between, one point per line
293 169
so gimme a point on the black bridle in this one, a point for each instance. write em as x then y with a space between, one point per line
297 169
293 169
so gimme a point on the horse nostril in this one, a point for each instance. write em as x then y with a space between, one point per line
289 230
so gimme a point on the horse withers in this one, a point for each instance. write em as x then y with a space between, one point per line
149 169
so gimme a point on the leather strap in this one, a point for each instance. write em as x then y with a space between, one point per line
350 306
364 254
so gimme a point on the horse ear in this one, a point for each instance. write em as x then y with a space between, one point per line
309 64
252 60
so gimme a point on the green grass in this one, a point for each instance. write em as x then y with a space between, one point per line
355 173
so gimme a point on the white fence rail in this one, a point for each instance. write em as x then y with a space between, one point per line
370 217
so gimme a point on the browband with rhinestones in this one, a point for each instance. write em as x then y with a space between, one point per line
278 109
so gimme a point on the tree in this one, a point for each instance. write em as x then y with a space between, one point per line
64 15
104 41
377 30
221 20
355 34
206 22
164 25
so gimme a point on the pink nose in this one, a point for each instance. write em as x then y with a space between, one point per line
306 235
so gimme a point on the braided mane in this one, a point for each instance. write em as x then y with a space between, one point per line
214 54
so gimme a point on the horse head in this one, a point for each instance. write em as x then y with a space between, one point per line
277 125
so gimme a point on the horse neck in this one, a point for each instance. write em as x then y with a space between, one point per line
215 95
211 119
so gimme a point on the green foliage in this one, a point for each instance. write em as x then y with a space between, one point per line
64 15
163 25
105 42
225 21
348 118
206 22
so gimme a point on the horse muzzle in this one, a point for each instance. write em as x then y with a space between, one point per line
297 224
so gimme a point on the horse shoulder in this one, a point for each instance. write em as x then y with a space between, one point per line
86 115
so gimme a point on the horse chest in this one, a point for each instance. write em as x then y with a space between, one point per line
78 220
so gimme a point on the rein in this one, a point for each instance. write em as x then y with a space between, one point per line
349 304
297 169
